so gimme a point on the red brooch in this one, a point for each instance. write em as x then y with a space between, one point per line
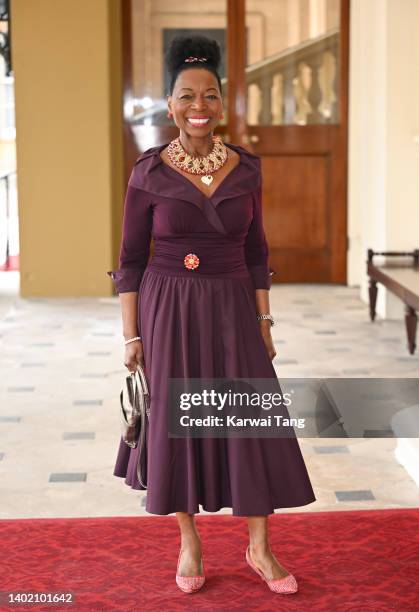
191 261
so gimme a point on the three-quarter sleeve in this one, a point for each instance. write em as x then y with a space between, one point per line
135 241
256 246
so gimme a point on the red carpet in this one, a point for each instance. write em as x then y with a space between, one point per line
358 561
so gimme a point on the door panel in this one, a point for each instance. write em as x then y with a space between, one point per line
295 117
302 241
306 211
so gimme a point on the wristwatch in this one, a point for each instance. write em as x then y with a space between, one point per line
266 316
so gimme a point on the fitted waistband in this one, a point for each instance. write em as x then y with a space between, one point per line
205 260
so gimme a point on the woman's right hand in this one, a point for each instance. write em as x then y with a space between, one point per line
134 355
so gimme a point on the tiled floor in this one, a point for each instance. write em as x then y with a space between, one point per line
61 364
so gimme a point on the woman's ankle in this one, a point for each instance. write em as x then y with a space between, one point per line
260 548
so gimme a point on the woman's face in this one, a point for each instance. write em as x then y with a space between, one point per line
196 102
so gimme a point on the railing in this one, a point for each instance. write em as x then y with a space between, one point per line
296 86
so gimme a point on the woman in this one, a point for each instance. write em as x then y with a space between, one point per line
192 311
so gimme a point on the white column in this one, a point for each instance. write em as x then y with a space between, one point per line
293 22
318 15
383 126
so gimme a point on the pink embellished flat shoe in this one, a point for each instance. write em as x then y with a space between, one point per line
189 584
286 585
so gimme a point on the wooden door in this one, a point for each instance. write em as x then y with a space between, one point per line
285 91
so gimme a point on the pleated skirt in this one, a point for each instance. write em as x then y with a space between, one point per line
201 327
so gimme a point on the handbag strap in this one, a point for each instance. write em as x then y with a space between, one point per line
141 380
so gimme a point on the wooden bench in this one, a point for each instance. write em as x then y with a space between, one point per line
401 276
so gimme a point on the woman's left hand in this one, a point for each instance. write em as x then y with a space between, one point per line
265 328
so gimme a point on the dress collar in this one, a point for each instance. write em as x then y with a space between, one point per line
152 174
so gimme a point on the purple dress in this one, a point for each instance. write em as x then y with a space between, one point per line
202 323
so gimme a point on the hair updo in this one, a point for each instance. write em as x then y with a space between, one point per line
183 47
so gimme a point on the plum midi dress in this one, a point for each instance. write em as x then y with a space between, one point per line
201 322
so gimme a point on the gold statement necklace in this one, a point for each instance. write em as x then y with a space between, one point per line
196 164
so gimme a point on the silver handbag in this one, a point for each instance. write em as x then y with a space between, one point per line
135 412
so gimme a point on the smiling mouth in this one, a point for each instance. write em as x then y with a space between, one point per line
197 122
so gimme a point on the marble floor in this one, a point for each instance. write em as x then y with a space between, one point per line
61 366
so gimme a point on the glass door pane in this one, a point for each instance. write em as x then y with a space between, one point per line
292 51
154 24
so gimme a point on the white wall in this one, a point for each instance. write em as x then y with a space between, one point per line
383 198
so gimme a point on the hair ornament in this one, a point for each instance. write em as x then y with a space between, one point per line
195 59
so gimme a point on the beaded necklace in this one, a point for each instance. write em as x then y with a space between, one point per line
205 165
